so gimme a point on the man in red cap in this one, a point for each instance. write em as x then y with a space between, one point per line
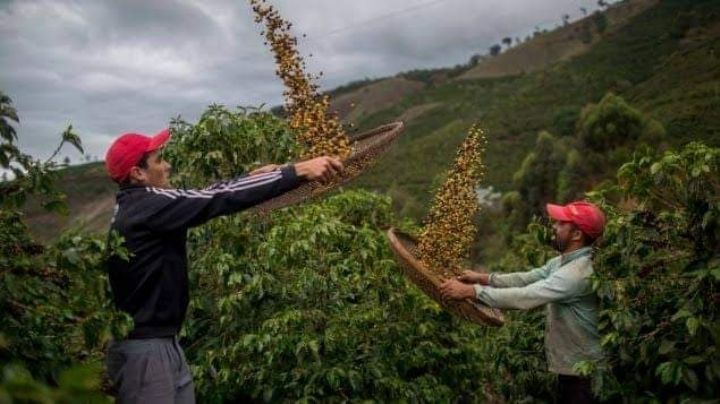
152 284
563 286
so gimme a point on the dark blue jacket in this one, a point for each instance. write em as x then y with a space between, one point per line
153 286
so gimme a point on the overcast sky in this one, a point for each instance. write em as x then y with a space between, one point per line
110 67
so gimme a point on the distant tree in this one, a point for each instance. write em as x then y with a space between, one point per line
507 41
600 22
475 59
66 161
536 182
583 10
495 50
612 123
566 19
565 120
7 114
602 3
586 35
4 177
683 22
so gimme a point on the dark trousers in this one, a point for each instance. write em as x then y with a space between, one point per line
574 389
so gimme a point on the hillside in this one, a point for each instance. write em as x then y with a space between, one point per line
374 97
663 62
662 59
560 44
90 198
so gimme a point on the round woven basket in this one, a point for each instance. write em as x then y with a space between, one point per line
404 247
366 148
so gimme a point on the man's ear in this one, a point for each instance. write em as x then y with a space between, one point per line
578 235
137 175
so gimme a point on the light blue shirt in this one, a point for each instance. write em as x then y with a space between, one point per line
563 284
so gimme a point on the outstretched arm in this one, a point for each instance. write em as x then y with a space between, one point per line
172 209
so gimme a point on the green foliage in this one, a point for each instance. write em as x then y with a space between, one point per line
658 274
609 124
428 76
53 300
565 120
536 182
311 306
572 178
672 81
54 291
224 144
600 21
31 176
308 304
79 384
562 169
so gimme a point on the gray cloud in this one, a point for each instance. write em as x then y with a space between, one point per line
109 67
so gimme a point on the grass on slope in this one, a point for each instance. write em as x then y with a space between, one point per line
651 62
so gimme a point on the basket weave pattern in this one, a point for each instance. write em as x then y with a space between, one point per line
366 147
404 247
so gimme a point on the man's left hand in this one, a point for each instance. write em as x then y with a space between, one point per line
264 169
453 289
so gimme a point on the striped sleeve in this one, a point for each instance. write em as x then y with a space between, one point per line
174 209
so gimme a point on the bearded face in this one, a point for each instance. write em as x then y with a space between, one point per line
564 233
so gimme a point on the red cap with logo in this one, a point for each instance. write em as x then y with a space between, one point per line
127 151
586 216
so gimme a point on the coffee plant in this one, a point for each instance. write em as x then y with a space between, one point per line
658 273
56 315
307 304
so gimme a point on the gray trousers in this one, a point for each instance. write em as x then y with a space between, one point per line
150 370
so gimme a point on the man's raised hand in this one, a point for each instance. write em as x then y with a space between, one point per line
452 289
473 277
320 168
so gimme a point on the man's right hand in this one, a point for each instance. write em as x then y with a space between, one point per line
320 168
474 277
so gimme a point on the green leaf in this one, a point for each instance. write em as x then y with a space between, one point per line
690 378
666 347
682 313
666 371
56 206
71 137
72 256
81 378
694 360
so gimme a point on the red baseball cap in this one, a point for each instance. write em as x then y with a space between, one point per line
586 216
127 151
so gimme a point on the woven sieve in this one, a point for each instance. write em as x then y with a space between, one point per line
404 248
366 148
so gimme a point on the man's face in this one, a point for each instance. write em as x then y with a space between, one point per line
564 233
157 173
